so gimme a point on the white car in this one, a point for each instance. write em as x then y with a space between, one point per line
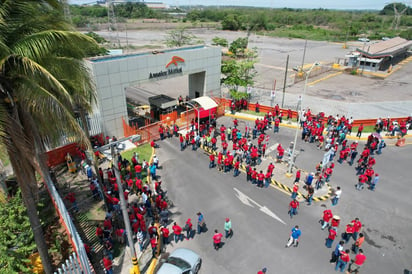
181 261
363 39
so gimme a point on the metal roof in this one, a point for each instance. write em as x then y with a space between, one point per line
205 102
389 47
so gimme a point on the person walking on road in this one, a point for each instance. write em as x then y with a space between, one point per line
343 260
188 228
200 223
327 216
295 190
177 231
217 239
348 232
294 237
357 226
337 195
374 182
263 271
358 262
293 207
358 244
336 252
331 238
228 228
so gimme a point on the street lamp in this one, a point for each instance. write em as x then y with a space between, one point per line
291 159
198 115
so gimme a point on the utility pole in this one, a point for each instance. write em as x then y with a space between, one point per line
303 58
284 82
123 208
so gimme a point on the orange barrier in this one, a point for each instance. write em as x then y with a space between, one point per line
400 142
264 109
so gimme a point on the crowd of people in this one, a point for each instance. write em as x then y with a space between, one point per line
329 134
236 146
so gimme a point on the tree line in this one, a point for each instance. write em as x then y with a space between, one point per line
314 24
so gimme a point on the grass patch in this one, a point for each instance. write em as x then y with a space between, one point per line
144 152
369 129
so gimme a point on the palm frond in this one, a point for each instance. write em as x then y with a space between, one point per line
38 46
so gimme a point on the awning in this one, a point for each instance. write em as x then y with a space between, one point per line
204 102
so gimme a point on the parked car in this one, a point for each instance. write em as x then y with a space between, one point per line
181 261
363 39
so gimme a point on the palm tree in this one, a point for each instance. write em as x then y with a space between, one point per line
42 79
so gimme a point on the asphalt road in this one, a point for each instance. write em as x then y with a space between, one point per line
259 237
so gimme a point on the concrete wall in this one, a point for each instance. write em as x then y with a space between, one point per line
112 74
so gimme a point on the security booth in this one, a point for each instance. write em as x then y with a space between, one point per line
205 107
161 105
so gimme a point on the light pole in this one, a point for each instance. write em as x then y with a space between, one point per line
291 159
198 115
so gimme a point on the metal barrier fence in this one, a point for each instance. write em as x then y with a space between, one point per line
70 266
71 231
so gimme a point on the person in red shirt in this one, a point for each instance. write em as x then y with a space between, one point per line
293 207
138 171
260 177
331 238
335 222
357 264
327 216
72 199
263 271
257 107
343 260
295 190
165 235
108 265
153 244
99 233
254 176
271 167
107 224
188 228
211 161
357 225
297 177
177 231
236 171
217 239
348 232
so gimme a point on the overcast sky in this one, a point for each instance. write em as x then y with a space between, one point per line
306 4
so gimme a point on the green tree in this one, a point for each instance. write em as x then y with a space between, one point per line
231 22
16 237
238 46
42 80
179 37
240 71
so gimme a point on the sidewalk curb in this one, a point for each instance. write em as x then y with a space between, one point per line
281 186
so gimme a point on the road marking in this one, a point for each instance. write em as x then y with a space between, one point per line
271 148
247 201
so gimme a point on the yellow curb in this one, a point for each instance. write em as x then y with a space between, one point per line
152 266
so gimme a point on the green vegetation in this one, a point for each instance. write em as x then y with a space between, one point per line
16 237
42 82
144 152
313 24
